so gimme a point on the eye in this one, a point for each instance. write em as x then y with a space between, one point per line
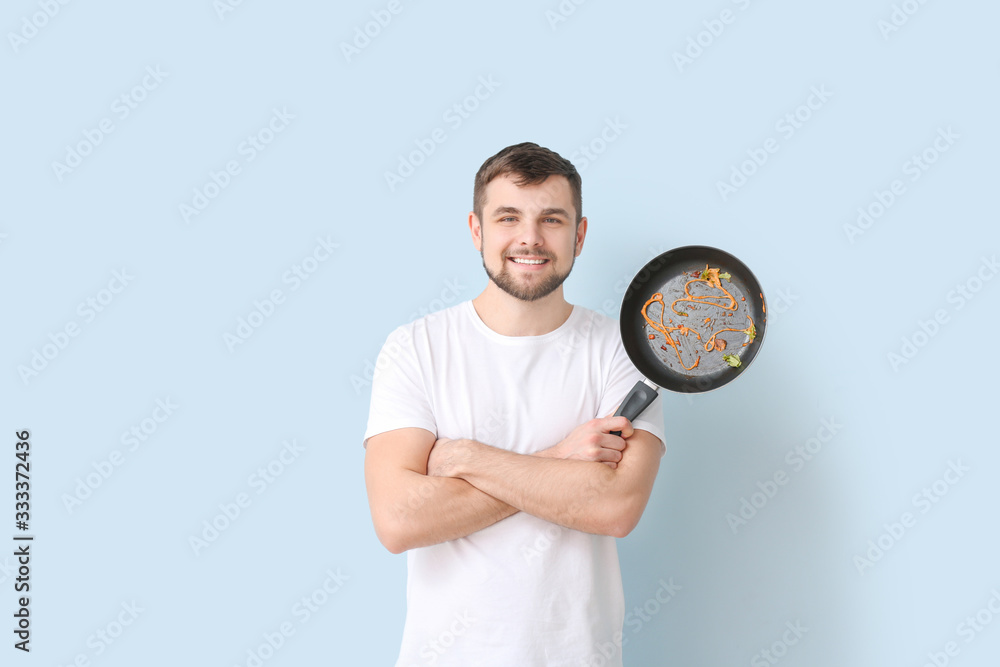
556 221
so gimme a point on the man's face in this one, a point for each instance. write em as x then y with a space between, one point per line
528 236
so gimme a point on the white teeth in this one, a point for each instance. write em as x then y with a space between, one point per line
528 261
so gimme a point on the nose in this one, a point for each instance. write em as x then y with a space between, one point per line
529 235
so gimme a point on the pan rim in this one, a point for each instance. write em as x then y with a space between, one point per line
629 317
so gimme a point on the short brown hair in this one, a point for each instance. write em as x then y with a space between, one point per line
531 164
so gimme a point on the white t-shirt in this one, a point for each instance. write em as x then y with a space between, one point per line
523 591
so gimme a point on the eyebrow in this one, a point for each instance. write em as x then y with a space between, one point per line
506 209
556 211
516 211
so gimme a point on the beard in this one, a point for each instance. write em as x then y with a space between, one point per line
526 290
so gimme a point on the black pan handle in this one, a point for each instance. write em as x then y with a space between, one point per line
642 394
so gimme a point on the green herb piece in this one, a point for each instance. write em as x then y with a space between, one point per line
682 313
726 276
732 360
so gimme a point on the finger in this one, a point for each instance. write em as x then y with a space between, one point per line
620 424
613 442
608 454
610 464
609 424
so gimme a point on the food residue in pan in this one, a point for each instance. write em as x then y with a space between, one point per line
725 301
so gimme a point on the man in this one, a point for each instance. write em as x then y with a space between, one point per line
490 454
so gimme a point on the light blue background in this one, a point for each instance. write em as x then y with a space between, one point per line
839 307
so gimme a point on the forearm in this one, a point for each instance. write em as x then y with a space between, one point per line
586 496
422 511
416 510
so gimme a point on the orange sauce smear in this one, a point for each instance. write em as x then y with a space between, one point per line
710 344
665 330
712 281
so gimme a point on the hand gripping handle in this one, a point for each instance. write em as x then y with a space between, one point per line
642 394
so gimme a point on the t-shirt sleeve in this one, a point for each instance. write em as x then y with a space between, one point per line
399 394
622 377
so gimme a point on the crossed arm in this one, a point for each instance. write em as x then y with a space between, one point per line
423 491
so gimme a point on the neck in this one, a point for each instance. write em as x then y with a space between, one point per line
509 316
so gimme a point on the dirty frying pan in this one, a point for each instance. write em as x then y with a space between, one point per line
675 296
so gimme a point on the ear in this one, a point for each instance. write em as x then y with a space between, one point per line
581 234
476 228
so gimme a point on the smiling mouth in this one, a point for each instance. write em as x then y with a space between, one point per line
527 260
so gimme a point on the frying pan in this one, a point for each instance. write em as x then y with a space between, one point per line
676 275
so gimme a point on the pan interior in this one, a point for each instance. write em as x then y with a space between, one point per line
671 285
699 310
